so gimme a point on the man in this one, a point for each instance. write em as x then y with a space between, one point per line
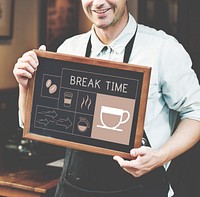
174 89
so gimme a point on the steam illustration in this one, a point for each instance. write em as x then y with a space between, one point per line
86 102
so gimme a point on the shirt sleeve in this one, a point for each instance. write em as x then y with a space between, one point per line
179 83
21 124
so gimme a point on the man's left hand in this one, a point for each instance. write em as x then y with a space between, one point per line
144 160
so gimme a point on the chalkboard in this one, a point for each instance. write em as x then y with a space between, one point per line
87 104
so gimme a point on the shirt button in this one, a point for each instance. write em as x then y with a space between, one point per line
144 142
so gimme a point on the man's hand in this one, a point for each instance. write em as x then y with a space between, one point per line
23 71
26 66
144 160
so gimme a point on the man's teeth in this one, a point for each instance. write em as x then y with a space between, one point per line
101 11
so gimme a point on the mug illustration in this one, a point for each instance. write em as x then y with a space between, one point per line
111 118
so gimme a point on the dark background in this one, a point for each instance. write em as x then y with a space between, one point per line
184 171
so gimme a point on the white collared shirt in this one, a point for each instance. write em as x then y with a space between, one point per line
174 86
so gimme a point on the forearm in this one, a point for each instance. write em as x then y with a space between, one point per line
22 101
146 159
185 136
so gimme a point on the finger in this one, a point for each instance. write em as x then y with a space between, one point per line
42 48
25 66
22 77
121 161
126 165
134 172
28 55
19 73
138 151
27 61
118 159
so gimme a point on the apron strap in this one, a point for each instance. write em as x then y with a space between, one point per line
128 48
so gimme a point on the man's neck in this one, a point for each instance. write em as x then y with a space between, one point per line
109 34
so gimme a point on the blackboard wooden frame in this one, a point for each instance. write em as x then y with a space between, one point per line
87 104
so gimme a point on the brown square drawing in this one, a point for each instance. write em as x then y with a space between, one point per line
113 119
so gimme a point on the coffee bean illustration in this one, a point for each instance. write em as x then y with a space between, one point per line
52 89
48 83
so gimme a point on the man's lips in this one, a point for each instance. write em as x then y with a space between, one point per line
102 11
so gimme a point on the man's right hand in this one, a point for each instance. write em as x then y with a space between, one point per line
26 67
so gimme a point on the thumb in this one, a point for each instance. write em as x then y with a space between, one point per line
137 152
42 48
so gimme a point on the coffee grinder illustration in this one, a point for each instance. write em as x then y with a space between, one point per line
83 124
68 96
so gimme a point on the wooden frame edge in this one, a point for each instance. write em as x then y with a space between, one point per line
143 101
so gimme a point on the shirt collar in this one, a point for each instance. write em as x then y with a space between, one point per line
119 44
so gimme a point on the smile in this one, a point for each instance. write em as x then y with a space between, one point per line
101 11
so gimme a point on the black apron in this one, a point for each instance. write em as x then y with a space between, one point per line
93 175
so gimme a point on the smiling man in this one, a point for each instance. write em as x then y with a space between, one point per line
174 89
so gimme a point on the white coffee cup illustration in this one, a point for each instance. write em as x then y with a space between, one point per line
112 118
